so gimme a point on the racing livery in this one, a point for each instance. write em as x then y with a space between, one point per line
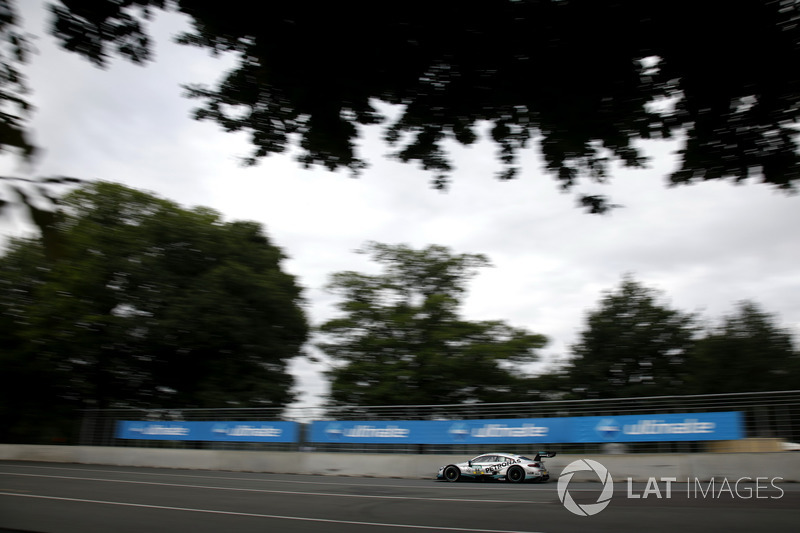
513 468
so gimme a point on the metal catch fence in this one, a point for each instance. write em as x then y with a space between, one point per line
772 416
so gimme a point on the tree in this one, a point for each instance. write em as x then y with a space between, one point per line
151 305
747 351
400 339
632 345
14 51
31 408
586 79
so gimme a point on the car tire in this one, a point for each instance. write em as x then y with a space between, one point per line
452 473
515 474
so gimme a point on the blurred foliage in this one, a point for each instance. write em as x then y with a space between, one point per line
39 197
147 305
635 345
14 107
585 79
400 339
632 345
747 351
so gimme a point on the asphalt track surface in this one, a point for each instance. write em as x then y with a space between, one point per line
66 498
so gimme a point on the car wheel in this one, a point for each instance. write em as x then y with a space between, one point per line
515 474
452 473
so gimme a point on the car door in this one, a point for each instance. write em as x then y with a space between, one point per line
500 464
481 463
488 463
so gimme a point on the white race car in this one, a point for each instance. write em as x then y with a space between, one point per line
508 466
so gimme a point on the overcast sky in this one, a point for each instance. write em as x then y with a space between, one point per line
705 246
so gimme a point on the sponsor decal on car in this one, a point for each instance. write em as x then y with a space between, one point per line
498 467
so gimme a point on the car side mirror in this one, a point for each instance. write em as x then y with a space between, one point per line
469 462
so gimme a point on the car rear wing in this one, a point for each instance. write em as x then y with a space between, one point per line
539 455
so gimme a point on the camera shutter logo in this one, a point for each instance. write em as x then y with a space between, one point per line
586 509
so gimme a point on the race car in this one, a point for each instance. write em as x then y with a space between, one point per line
511 467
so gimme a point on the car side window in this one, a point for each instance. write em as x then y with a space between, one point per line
482 459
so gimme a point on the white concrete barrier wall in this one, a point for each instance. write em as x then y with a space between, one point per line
639 467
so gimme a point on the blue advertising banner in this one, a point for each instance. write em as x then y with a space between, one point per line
626 428
208 431
498 431
654 428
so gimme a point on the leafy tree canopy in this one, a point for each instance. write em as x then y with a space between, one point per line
400 339
585 79
635 345
149 304
747 351
632 345
14 107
